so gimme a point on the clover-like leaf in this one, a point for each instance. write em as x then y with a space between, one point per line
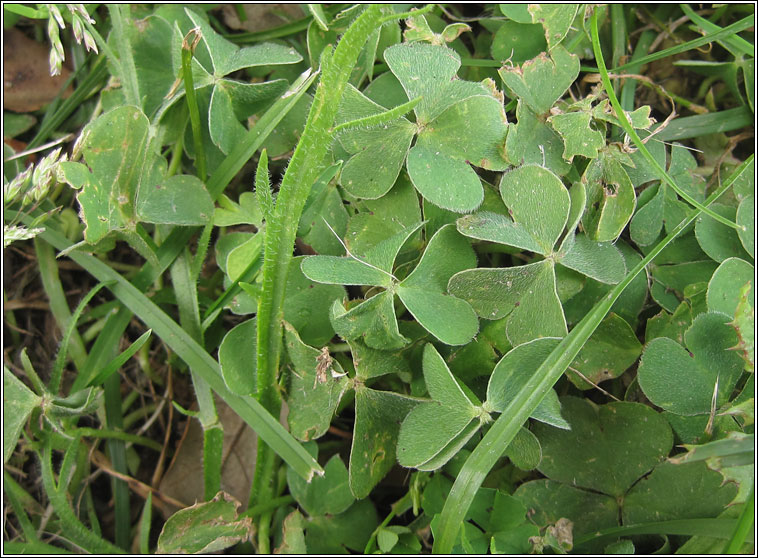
18 403
427 71
538 200
599 260
114 147
551 500
526 293
744 325
517 42
434 431
379 219
177 200
555 18
746 221
725 285
539 207
540 82
716 239
609 351
610 199
378 415
205 527
236 356
377 153
620 441
317 384
373 320
579 138
232 101
246 212
658 205
532 141
446 182
514 370
449 319
684 381
307 305
685 491
328 494
458 123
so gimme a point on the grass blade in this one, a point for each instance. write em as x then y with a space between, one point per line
706 124
732 43
494 443
741 25
744 525
121 359
715 527
630 131
267 427
60 359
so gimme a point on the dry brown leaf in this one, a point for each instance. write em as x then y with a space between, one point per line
27 83
184 478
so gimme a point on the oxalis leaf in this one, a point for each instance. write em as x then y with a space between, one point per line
434 431
458 123
205 527
125 183
610 198
540 82
317 383
316 386
449 319
512 372
684 381
540 207
232 101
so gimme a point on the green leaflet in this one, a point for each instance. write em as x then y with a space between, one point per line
377 152
532 141
610 351
177 200
540 208
540 82
434 431
555 18
117 192
378 415
746 220
620 442
724 287
684 381
610 199
205 527
236 356
677 492
449 319
327 494
316 386
18 403
512 372
579 138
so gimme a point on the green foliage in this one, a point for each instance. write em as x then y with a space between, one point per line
204 527
408 257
